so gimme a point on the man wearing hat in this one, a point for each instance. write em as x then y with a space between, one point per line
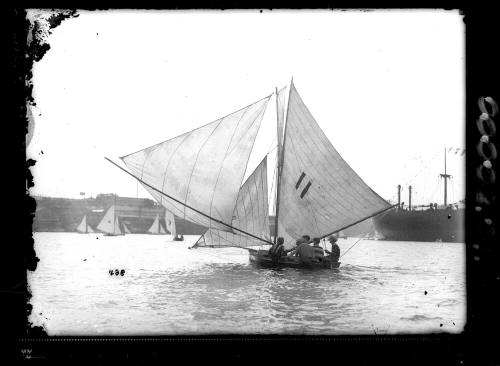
335 253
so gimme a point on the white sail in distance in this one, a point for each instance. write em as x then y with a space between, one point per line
319 192
109 223
126 229
83 227
156 227
170 222
250 214
203 168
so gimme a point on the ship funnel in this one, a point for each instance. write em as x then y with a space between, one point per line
409 198
399 196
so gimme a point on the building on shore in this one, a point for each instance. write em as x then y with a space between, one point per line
64 214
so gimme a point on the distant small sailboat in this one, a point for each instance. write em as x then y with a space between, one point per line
126 229
156 228
170 223
84 228
110 225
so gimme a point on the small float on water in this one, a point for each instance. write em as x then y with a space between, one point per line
178 237
198 176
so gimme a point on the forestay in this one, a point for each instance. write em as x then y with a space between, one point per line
250 214
319 192
203 168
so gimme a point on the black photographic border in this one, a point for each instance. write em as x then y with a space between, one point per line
477 345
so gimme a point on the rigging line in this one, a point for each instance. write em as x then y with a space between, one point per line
357 222
350 247
186 205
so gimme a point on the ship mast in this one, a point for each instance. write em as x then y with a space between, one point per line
446 177
281 155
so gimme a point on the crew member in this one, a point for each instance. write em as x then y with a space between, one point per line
318 251
335 253
278 249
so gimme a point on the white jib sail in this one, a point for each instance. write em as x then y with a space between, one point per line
202 168
82 227
319 192
155 228
89 229
170 222
116 227
250 214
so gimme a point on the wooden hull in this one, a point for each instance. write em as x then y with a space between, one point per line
261 258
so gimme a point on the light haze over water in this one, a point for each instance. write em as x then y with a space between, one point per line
381 287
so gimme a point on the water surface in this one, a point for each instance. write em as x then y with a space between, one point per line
381 287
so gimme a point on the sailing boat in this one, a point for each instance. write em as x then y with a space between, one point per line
110 224
126 229
156 228
83 227
198 176
170 223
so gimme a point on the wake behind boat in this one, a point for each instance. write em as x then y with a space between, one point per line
198 176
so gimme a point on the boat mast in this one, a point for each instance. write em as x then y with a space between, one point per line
446 177
278 164
281 156
114 216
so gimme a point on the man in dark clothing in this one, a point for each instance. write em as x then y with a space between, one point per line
335 253
278 249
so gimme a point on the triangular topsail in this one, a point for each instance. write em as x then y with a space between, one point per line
319 192
250 214
203 168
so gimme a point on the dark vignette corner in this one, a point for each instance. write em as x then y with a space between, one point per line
25 45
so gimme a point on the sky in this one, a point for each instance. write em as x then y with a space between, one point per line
386 87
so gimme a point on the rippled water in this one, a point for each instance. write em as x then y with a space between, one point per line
381 287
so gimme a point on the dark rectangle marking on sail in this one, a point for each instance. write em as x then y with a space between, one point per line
300 180
304 191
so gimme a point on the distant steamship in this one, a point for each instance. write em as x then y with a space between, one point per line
427 223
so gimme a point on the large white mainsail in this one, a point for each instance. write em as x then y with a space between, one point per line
250 214
202 168
319 192
170 222
109 223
